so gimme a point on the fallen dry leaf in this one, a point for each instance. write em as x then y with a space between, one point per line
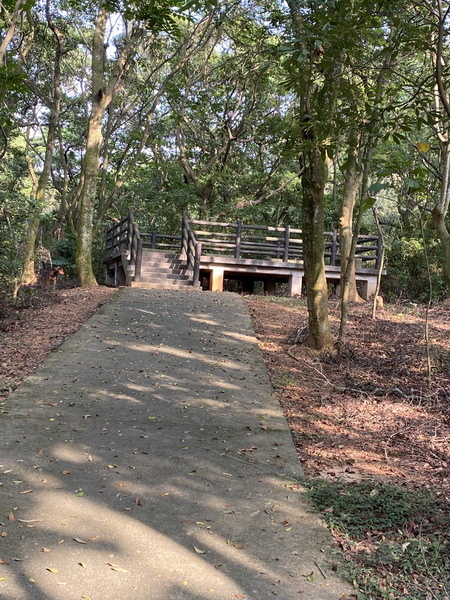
199 551
30 520
117 568
26 492
52 570
46 549
11 516
79 541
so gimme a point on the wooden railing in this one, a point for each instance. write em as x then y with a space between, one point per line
280 243
161 241
233 239
123 240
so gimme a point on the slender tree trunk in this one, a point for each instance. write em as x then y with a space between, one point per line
28 266
102 94
85 218
313 184
352 187
11 21
440 212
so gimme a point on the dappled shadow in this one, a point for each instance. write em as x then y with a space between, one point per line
148 459
368 412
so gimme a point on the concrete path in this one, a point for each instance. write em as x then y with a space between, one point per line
148 459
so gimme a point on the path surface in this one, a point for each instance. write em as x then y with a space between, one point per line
148 459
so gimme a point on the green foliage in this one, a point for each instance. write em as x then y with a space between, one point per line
353 509
407 270
396 538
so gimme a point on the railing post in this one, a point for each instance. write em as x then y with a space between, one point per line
333 248
198 254
138 266
379 253
287 237
237 249
184 239
153 239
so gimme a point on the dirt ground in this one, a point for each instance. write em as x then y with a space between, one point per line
368 413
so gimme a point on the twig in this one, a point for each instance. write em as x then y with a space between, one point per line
391 437
321 572
324 377
375 392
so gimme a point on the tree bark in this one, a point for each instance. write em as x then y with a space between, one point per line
101 97
353 179
439 214
313 184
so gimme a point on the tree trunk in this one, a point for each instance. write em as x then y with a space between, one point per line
28 275
444 237
313 184
353 179
102 94
87 193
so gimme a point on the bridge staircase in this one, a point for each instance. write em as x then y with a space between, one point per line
224 254
162 270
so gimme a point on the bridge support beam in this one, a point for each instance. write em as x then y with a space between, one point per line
216 279
369 286
295 284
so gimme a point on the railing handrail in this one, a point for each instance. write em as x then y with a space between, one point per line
288 245
238 239
123 239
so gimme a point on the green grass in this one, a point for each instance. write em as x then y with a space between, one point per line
396 541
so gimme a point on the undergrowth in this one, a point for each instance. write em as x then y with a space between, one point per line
395 541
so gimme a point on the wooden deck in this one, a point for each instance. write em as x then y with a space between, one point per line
213 254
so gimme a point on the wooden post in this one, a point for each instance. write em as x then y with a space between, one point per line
287 236
237 250
333 248
183 239
138 267
379 253
153 239
198 254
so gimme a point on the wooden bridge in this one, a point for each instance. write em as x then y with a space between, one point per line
218 256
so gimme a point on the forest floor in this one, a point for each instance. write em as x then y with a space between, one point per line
368 412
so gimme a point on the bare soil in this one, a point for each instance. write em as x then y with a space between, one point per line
366 413
370 411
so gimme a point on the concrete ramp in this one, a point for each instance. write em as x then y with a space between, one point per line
148 459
